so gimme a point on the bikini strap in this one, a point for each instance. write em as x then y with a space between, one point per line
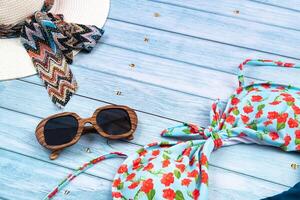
259 62
80 170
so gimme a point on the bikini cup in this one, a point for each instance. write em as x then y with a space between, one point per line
263 113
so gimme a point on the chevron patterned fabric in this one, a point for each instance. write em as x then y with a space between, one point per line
50 42
14 30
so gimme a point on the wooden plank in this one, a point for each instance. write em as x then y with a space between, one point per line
141 96
180 48
163 73
207 26
187 78
221 176
290 5
28 182
236 158
192 92
209 55
136 83
25 178
23 141
243 9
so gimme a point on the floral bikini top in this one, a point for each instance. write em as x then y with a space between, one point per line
262 113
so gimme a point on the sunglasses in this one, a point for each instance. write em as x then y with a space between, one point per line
65 129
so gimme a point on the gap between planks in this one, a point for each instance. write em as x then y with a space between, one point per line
138 146
59 165
203 38
275 5
225 15
99 100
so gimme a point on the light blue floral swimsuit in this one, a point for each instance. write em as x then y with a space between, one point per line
262 113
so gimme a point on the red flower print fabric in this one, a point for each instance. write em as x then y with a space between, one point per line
262 113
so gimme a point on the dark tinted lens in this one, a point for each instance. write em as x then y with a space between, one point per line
114 121
60 130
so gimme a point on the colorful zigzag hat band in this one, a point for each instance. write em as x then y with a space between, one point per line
50 43
13 28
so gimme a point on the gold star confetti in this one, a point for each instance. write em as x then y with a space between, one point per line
156 15
118 93
236 12
88 150
294 166
146 39
132 65
67 192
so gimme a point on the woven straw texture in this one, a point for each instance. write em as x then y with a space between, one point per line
15 62
15 11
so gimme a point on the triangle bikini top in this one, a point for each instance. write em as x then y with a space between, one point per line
262 113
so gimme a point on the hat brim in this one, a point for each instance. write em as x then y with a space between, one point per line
15 62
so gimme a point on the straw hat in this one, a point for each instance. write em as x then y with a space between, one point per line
14 60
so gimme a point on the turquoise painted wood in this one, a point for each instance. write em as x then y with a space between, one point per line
187 49
292 5
243 9
92 187
152 134
209 26
190 60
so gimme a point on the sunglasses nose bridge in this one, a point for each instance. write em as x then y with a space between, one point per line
86 121
87 129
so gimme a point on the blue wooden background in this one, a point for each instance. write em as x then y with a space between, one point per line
189 60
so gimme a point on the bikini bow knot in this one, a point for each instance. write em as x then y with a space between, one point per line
214 130
215 136
262 113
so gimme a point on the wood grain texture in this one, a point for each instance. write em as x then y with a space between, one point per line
290 5
208 26
189 59
27 178
236 158
194 97
36 180
183 49
167 103
83 129
210 73
218 177
246 10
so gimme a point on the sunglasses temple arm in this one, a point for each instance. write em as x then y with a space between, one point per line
55 154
